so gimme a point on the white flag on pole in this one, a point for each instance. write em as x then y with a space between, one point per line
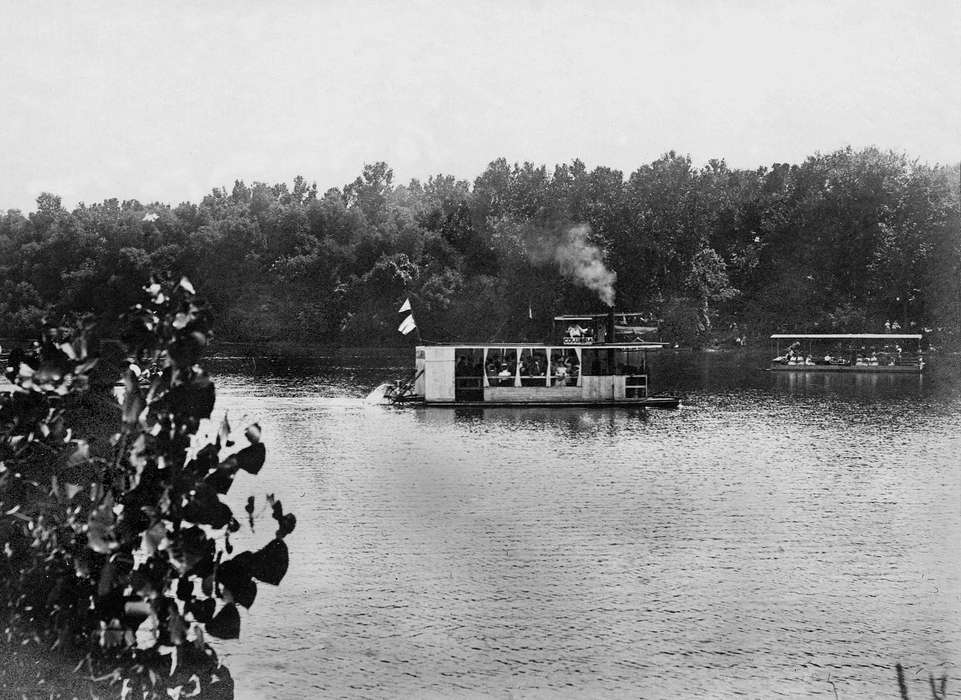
407 325
405 306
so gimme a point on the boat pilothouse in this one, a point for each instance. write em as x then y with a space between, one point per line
594 359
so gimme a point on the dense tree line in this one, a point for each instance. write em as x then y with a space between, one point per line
843 241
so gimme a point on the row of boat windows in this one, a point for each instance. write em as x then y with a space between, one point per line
532 363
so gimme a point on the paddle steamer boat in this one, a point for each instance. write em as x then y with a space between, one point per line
593 360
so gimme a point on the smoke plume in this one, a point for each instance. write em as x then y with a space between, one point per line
583 262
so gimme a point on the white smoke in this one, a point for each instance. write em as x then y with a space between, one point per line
583 262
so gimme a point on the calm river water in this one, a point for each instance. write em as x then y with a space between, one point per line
778 535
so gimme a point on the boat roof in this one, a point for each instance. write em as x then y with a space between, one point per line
847 336
617 314
606 346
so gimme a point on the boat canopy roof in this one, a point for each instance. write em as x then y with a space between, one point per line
556 346
617 315
846 336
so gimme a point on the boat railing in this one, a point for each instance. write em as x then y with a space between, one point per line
635 386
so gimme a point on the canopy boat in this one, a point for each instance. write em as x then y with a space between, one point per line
591 361
847 352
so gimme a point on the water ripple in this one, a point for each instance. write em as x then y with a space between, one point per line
764 539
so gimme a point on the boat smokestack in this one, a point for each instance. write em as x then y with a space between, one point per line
610 325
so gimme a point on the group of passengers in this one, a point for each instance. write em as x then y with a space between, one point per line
862 357
532 371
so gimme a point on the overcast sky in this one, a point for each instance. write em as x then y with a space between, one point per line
166 100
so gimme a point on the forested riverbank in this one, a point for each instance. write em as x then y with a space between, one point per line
844 241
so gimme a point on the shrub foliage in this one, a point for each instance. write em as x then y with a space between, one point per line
118 556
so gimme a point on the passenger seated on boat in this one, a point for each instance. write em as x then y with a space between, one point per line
505 376
560 375
808 360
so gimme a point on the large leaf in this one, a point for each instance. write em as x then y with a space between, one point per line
202 610
220 480
195 398
226 623
185 589
252 457
270 563
191 552
235 576
205 507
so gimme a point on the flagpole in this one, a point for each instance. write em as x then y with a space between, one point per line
420 341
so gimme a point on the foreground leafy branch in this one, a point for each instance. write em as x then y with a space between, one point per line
938 688
119 557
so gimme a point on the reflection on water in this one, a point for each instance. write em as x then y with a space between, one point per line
772 533
854 382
